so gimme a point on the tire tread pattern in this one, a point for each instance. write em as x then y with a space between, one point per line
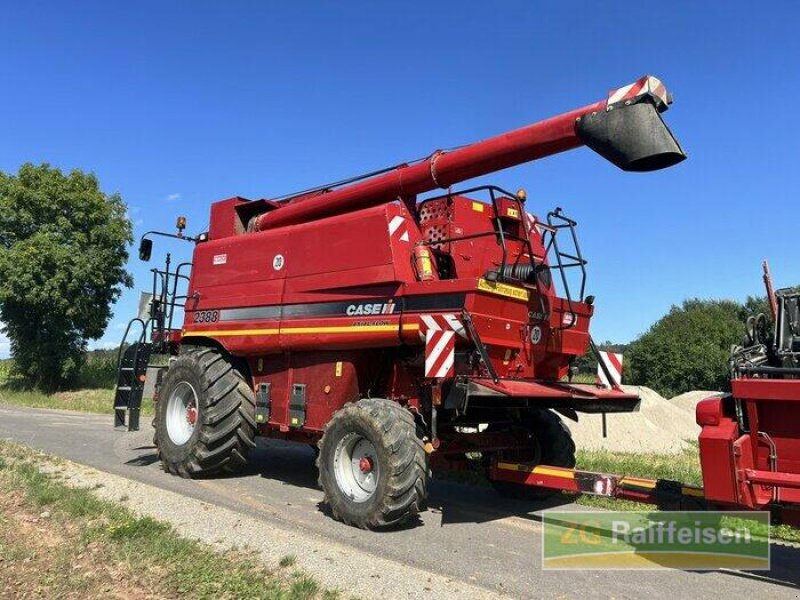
227 417
407 486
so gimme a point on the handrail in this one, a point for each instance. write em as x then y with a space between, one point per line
556 221
499 233
564 222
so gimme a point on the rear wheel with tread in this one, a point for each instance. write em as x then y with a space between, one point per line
372 464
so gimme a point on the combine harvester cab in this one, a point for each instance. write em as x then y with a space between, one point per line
388 331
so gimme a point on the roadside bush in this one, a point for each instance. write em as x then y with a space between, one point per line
98 371
5 371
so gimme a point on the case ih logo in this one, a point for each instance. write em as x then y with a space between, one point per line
376 308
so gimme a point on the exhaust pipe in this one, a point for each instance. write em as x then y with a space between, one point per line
630 133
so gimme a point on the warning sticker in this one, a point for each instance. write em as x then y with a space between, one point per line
502 289
220 259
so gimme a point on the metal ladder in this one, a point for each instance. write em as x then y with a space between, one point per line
131 376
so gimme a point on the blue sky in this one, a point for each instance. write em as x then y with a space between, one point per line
177 104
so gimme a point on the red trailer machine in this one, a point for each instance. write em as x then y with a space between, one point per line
749 446
750 441
386 330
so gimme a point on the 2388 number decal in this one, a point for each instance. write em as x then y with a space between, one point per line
206 316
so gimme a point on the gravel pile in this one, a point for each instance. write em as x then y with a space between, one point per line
689 400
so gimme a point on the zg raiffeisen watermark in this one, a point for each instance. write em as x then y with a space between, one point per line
656 540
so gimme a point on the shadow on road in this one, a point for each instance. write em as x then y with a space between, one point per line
147 457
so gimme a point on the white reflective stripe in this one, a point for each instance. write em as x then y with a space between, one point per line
395 223
455 324
430 323
620 93
616 375
449 359
404 237
649 85
656 87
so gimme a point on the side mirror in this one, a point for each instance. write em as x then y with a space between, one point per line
145 249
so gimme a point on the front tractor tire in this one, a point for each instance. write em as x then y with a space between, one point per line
549 442
372 465
205 416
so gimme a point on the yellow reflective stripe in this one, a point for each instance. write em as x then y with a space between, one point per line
645 483
552 471
566 474
513 467
303 330
229 332
692 491
340 329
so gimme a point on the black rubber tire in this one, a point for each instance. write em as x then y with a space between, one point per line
225 428
402 464
551 444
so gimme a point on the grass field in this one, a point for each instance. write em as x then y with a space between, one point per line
57 541
684 467
89 400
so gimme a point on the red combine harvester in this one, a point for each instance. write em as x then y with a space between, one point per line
385 330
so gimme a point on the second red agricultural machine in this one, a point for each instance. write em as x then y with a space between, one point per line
386 330
749 442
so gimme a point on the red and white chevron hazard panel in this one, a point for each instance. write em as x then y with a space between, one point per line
440 353
441 321
439 332
646 85
613 363
398 228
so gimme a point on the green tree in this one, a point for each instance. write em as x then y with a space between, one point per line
688 348
63 249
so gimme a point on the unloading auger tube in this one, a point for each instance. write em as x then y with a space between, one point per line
626 129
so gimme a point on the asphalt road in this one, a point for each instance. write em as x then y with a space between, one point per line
468 534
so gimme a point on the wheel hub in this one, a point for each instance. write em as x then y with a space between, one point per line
181 413
355 467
